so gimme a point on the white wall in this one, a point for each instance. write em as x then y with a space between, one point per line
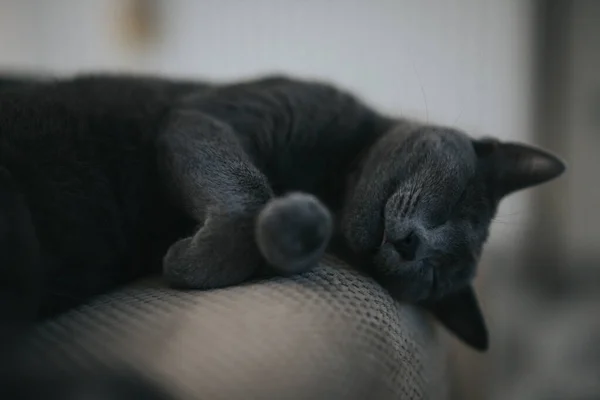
582 138
460 62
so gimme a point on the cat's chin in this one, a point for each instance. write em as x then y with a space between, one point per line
411 282
407 281
413 292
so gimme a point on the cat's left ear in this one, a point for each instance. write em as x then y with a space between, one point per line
518 166
460 314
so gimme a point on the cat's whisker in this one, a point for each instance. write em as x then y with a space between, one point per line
513 223
457 119
425 100
510 214
508 219
422 92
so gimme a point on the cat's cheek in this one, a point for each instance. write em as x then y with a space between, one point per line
363 235
388 261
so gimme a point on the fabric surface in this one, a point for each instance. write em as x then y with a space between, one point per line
328 334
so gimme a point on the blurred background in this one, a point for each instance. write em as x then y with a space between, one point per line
514 69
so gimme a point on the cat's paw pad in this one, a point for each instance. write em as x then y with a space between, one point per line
293 231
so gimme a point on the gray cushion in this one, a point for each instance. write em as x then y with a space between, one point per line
331 333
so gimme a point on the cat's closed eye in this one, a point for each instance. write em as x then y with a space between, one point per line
407 247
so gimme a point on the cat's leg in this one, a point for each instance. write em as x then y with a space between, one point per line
20 264
242 226
20 277
21 271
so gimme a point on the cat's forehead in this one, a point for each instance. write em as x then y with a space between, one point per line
436 167
434 156
433 145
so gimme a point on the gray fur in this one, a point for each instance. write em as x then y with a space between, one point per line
293 231
410 203
228 152
230 182
119 172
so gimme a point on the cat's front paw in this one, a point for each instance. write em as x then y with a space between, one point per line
293 231
222 253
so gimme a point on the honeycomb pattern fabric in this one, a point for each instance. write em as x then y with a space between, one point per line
328 334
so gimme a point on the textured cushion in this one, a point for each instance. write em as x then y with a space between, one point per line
331 333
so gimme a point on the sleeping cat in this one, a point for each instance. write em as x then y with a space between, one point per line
107 178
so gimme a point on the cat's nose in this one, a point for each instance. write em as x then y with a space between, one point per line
408 246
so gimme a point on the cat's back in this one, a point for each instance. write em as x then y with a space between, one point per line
301 133
88 120
82 153
45 108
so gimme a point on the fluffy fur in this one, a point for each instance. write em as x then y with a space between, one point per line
116 177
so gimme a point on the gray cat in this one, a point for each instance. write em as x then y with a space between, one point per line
106 178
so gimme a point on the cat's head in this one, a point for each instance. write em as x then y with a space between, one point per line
420 209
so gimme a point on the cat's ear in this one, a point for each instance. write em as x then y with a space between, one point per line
460 314
518 166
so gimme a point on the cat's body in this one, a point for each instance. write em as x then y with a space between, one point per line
84 164
83 153
111 174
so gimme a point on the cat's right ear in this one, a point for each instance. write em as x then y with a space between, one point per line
517 166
